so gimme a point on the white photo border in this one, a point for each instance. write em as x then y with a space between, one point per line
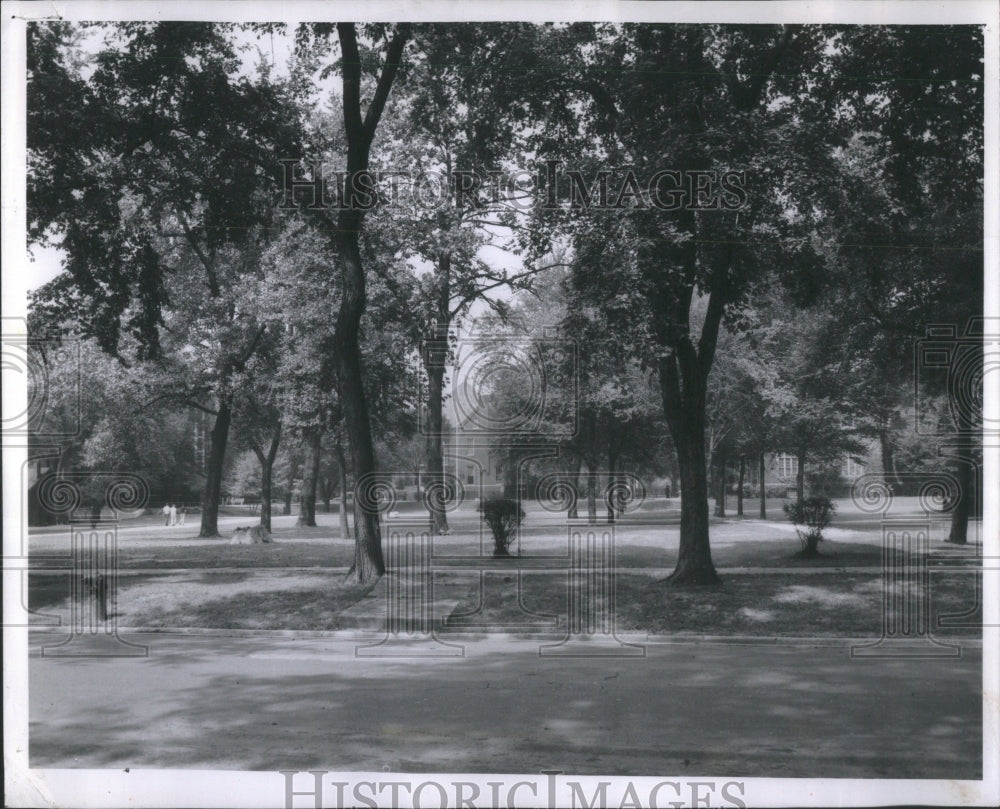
65 787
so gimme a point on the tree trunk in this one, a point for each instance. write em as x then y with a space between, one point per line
958 534
265 495
326 490
293 470
889 474
800 476
739 486
591 493
761 475
685 414
359 131
694 558
574 481
720 483
310 479
435 356
345 526
612 498
216 459
266 468
369 564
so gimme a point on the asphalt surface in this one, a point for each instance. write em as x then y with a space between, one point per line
497 705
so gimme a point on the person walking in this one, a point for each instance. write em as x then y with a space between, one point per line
173 514
166 514
181 514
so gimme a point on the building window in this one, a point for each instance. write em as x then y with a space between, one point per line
788 465
852 469
470 474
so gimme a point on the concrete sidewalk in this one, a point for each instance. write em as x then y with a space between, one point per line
496 705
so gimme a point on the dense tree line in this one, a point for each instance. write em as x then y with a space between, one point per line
823 192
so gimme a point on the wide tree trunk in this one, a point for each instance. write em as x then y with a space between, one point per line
720 483
216 459
739 487
685 414
310 479
345 524
967 492
694 557
435 355
761 475
369 563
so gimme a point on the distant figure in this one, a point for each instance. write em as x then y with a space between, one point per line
666 491
166 514
173 515
181 514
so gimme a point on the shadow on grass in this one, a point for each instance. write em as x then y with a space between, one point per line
215 553
764 712
763 605
317 608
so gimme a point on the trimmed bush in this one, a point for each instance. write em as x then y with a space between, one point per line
813 514
503 516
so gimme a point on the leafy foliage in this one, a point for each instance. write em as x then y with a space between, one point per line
814 514
503 516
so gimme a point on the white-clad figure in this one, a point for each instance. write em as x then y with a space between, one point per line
173 514
166 514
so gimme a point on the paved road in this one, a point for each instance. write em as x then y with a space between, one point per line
683 709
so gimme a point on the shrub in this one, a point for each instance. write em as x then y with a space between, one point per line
503 516
813 514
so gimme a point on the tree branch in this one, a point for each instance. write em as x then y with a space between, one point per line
393 54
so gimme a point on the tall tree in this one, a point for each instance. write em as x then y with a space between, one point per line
690 99
359 127
167 141
461 116
909 229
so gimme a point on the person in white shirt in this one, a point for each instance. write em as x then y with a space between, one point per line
173 515
166 514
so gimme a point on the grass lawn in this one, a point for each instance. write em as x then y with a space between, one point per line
766 604
214 554
297 581
763 604
252 599
303 551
